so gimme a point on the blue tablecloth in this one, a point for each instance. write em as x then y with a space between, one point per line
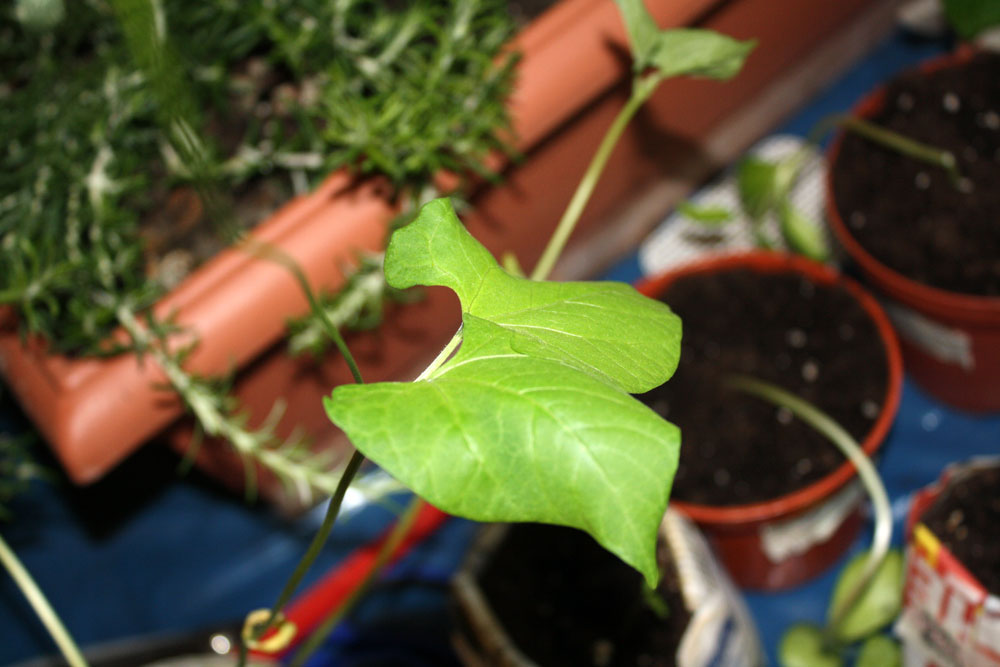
149 552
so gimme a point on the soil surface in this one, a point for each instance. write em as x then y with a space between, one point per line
565 601
910 215
966 517
814 341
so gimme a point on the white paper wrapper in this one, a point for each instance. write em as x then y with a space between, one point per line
948 618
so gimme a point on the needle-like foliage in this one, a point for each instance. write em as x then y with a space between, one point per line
102 110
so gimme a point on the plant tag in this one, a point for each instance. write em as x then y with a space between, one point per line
941 342
786 539
948 619
721 631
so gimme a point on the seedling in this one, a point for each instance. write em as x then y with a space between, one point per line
868 594
766 186
532 419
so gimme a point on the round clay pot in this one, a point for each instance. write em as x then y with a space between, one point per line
820 521
950 341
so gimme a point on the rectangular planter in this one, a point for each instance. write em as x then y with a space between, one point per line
572 79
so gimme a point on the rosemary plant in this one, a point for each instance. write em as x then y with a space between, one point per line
112 109
290 90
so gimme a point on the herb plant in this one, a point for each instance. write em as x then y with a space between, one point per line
868 593
135 101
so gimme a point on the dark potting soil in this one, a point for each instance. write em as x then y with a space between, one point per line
565 601
966 518
814 341
909 215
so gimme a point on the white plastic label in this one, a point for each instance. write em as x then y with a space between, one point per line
785 539
940 341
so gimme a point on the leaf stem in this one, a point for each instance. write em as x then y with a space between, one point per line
866 472
642 88
442 355
279 256
41 606
893 140
392 542
307 560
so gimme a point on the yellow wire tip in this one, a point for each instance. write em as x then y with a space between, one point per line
275 639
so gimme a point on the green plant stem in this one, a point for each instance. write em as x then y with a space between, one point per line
442 355
392 542
898 142
41 606
316 546
642 88
279 256
866 472
328 521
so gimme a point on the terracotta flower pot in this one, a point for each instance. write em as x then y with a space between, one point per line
784 541
950 341
571 82
949 617
532 594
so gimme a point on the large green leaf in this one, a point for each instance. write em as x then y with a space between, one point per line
680 51
531 419
605 329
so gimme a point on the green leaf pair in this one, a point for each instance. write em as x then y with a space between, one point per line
680 51
765 188
532 419
806 645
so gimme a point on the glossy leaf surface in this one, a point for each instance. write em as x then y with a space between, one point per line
680 51
532 419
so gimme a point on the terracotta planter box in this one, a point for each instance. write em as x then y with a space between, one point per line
572 79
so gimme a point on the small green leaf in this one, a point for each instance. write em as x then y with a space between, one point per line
880 651
878 605
680 51
970 17
757 181
642 31
532 419
698 52
802 646
801 234
602 328
711 216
